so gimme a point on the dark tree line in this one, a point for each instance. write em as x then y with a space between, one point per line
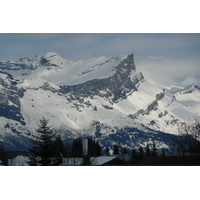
48 150
3 156
116 150
94 148
138 154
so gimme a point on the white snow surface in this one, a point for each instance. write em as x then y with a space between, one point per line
176 106
19 161
79 116
62 71
103 159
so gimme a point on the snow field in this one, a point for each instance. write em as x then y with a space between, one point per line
41 99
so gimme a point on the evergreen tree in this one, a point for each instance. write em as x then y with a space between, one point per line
67 146
94 148
140 153
116 149
134 156
59 147
59 151
3 156
91 147
124 151
147 150
154 150
43 150
163 152
98 149
76 150
107 151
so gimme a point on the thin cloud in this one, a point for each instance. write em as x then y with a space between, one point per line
170 70
167 58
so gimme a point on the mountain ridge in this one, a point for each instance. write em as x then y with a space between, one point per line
106 98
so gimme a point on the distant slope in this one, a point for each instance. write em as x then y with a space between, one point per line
102 97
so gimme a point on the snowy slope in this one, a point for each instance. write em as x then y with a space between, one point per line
60 71
103 97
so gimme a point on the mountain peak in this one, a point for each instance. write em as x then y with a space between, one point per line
192 89
51 59
51 55
105 97
120 79
197 87
128 62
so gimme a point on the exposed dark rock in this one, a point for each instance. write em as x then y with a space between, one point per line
117 85
151 107
9 99
107 107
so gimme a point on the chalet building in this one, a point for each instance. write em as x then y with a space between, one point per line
169 161
108 161
95 161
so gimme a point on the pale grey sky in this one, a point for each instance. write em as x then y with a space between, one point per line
85 45
167 58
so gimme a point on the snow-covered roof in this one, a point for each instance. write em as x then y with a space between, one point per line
103 159
95 161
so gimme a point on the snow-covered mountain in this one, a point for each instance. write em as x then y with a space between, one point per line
103 97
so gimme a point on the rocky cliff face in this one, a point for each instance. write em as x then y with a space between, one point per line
106 98
122 82
9 99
